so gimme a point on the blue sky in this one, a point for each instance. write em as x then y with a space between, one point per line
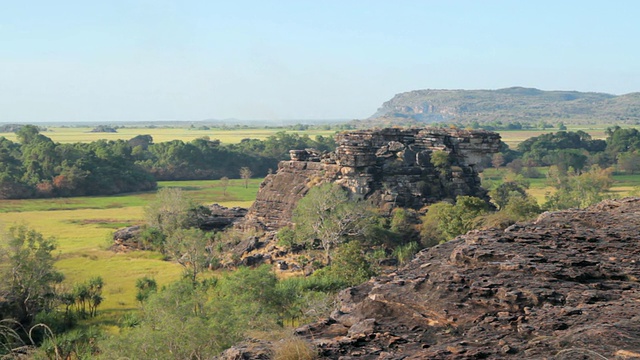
191 60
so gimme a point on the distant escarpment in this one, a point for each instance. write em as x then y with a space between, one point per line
390 167
565 286
514 104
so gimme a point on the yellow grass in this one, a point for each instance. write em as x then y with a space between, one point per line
83 134
83 254
83 240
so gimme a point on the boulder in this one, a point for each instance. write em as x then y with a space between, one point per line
219 217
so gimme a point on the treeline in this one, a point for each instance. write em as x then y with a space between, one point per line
38 167
576 151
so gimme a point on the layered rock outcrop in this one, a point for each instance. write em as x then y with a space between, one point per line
566 286
391 167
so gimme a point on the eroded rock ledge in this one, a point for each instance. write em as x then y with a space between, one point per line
392 167
566 286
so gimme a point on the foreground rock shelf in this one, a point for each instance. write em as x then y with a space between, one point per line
566 286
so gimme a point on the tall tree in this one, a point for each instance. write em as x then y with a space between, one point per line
245 174
169 211
326 213
191 248
224 182
629 161
497 160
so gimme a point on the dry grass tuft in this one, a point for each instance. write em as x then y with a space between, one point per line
294 348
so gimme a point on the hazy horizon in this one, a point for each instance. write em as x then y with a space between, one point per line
144 61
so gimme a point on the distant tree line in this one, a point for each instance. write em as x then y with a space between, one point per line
35 166
577 151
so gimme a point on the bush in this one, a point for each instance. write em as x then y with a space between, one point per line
57 321
404 253
286 237
445 221
151 239
350 265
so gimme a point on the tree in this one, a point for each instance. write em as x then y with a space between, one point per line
516 166
578 191
245 174
191 248
441 160
629 162
183 321
88 296
168 212
27 273
497 160
224 182
141 140
517 208
622 140
326 213
27 134
349 265
508 189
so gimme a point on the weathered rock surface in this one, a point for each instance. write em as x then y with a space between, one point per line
392 167
220 217
566 286
126 239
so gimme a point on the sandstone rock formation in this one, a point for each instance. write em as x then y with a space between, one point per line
566 286
392 167
220 217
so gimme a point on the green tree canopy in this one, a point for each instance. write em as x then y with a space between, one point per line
27 273
445 221
328 214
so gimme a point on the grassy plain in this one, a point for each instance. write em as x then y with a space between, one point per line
162 134
83 227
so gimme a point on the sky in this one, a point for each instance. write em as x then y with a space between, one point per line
158 60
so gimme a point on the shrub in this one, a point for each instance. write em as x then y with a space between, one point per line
445 221
286 237
404 253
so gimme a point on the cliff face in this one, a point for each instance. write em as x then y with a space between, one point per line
391 167
564 287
